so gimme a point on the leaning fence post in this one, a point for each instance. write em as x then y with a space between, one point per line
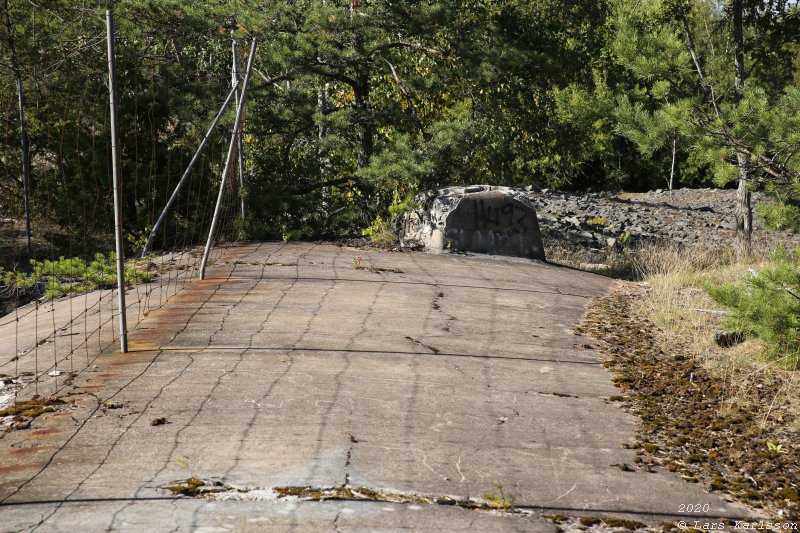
239 152
112 91
188 170
226 170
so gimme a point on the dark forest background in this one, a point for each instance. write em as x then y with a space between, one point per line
356 105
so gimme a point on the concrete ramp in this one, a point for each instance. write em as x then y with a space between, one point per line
413 381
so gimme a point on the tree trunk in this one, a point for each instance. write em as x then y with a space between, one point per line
366 130
744 210
366 139
322 107
672 167
239 147
322 131
26 168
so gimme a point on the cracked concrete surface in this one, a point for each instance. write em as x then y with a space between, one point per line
289 367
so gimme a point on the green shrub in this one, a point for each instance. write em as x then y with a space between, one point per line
766 305
384 230
381 232
624 239
778 216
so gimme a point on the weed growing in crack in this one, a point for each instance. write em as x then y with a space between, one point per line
498 498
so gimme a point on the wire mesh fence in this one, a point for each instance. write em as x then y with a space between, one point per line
58 281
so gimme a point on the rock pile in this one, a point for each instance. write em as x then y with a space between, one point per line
597 221
600 220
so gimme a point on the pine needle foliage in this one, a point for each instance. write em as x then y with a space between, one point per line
51 279
766 305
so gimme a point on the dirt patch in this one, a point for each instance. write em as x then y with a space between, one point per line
749 452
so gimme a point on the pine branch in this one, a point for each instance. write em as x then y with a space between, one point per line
774 169
274 79
321 185
332 75
403 44
407 96
707 88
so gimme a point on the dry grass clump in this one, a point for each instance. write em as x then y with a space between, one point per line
676 276
668 259
640 261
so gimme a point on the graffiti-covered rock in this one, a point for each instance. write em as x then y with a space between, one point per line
480 218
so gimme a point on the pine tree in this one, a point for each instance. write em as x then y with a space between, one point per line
731 117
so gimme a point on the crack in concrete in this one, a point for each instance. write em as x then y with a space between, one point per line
215 490
557 394
433 349
425 462
353 442
336 520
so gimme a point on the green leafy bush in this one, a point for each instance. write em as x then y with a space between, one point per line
52 279
384 230
766 305
381 232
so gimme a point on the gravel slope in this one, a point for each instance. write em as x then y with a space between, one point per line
685 215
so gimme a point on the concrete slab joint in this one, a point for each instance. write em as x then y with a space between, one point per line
478 218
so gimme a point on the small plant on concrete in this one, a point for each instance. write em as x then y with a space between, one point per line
359 264
183 461
498 498
775 448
